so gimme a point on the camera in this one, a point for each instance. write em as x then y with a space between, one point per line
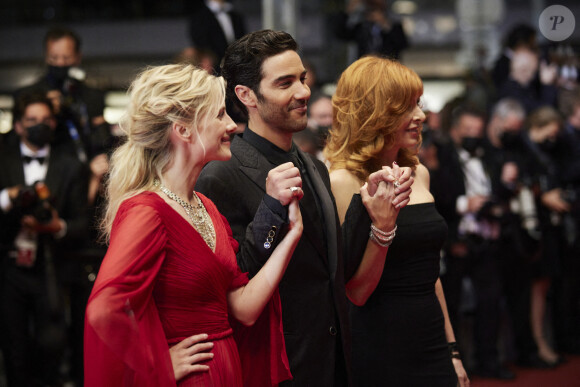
491 210
34 200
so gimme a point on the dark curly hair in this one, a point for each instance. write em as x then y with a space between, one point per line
242 63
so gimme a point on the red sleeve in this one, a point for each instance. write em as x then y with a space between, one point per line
238 277
261 347
124 340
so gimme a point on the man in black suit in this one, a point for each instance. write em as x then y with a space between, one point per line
266 78
43 194
470 195
374 31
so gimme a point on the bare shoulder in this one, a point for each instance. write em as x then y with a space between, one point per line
420 187
344 185
422 174
343 180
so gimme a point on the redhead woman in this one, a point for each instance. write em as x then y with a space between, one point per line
401 332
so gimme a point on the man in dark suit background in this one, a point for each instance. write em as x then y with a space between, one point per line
34 240
213 25
470 195
82 131
266 78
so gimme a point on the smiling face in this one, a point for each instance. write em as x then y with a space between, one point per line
409 131
283 94
215 137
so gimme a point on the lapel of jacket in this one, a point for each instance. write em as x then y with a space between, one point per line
12 166
256 167
54 172
15 167
252 163
328 211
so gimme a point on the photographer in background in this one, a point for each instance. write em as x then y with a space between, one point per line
81 127
520 235
82 131
544 146
567 324
43 201
470 194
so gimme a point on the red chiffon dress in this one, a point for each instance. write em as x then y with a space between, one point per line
160 283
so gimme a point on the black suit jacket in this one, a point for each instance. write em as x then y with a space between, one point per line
448 183
66 179
312 290
205 32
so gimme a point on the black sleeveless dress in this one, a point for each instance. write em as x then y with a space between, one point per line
398 336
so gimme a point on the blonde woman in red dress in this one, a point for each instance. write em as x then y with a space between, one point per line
169 290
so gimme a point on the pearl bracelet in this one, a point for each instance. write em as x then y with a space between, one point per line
378 242
382 238
381 232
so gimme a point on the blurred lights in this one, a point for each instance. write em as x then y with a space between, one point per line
6 105
5 121
404 7
116 103
445 24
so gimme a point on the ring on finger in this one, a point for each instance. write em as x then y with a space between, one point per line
293 190
396 184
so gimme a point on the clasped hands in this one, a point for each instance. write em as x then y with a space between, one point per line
385 193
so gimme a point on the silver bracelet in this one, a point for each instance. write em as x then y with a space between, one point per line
381 243
382 237
381 232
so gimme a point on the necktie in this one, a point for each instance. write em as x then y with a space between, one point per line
28 159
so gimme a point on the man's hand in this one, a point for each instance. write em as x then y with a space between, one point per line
553 200
474 203
284 183
509 173
52 227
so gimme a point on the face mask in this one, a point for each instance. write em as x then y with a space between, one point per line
470 144
510 139
548 146
39 135
58 74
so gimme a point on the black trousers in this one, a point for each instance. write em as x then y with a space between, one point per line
33 328
481 265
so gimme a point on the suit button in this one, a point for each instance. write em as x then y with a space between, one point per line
333 331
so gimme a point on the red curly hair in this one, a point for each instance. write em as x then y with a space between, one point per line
371 99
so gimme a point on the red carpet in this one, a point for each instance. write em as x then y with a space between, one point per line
566 375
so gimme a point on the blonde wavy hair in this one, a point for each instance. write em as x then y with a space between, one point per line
159 97
371 100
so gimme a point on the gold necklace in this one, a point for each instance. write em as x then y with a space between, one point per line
198 215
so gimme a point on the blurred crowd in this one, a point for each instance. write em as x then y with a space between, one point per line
504 161
504 173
